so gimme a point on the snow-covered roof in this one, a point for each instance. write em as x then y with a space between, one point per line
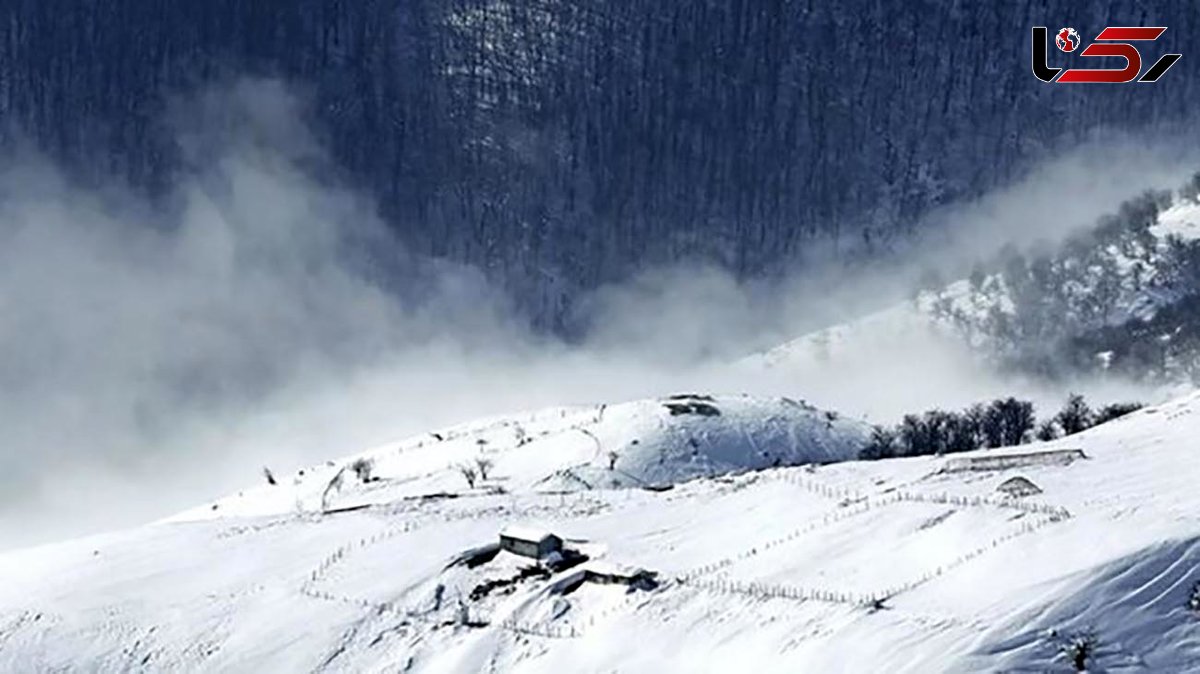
607 568
525 533
1019 485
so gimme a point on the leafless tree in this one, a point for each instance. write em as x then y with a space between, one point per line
470 474
483 466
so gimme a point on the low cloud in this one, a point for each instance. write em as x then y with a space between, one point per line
153 355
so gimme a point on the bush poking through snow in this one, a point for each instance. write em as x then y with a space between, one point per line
270 476
1079 649
1194 599
362 468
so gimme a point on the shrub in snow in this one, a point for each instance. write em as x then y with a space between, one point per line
1194 599
362 468
1079 649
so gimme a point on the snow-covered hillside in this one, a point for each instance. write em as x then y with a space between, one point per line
909 565
1026 309
647 443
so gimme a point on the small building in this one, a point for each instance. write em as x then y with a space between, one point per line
1017 487
1007 461
606 573
529 542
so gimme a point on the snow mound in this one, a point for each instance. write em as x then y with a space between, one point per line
648 444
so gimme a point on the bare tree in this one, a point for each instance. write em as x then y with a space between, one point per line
613 456
881 446
1075 416
1047 430
483 466
469 473
1114 411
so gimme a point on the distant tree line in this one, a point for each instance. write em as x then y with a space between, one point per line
1004 422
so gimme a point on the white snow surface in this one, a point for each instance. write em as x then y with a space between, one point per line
1182 219
887 566
566 449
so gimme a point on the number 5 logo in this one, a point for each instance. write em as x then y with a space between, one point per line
1117 41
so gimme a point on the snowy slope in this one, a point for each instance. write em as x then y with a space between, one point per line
1124 277
898 566
643 443
888 331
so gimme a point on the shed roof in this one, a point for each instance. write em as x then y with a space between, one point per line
606 568
526 533
1019 485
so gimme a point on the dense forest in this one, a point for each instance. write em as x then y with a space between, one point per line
560 144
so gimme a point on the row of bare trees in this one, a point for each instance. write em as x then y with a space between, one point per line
1004 422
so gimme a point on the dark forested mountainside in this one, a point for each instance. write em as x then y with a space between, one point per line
559 144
